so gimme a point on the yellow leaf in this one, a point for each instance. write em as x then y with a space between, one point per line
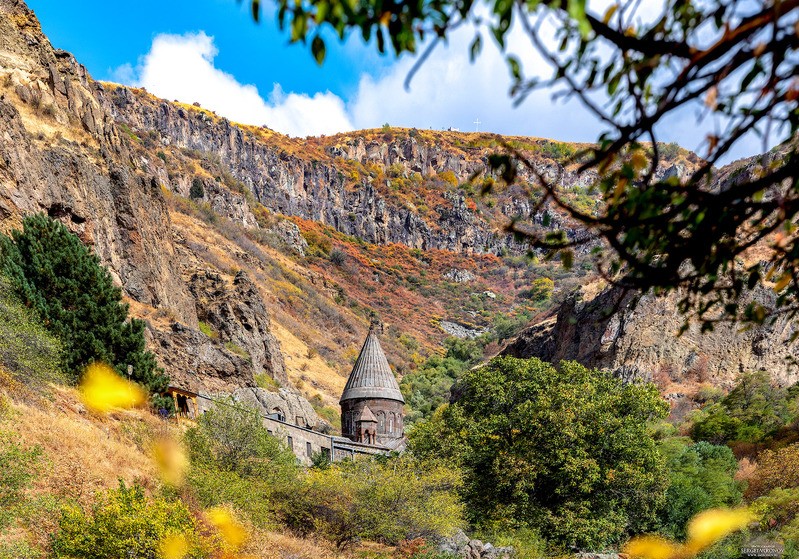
102 390
710 98
619 190
651 547
171 460
638 160
609 13
174 546
232 532
784 280
710 526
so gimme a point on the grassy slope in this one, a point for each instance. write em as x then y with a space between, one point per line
83 453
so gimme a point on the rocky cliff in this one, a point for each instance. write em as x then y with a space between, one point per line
316 181
636 336
64 154
400 186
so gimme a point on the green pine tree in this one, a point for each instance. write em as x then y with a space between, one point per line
57 276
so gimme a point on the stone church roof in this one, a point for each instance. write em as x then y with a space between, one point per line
367 415
371 377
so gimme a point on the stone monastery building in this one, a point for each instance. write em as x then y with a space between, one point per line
372 415
372 404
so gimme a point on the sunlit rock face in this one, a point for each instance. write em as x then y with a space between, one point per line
636 336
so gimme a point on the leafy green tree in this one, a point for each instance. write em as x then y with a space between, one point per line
752 411
634 70
57 276
701 476
565 449
235 460
231 436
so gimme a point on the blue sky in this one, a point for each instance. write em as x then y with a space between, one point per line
106 35
210 51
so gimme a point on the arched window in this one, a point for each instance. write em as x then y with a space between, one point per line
381 422
278 414
391 423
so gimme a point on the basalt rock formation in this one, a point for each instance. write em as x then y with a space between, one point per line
636 337
340 181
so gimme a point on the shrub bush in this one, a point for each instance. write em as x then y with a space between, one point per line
753 411
197 189
338 257
235 460
125 523
775 469
381 499
17 469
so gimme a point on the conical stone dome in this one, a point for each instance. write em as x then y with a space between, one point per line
371 377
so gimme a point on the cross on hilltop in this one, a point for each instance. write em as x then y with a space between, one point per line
477 125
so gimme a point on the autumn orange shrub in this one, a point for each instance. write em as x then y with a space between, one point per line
775 469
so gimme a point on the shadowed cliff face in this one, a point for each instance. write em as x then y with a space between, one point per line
636 337
63 154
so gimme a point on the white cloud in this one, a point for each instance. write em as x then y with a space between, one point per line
448 90
182 67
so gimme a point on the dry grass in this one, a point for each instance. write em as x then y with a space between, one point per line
39 121
278 545
311 370
85 453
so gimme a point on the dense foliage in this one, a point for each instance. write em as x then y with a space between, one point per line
387 500
63 282
235 460
125 523
754 410
563 449
701 476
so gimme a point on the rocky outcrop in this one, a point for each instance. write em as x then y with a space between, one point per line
237 316
636 336
460 545
459 276
64 154
288 179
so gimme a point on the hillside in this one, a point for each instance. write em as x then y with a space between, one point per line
249 253
78 454
252 255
